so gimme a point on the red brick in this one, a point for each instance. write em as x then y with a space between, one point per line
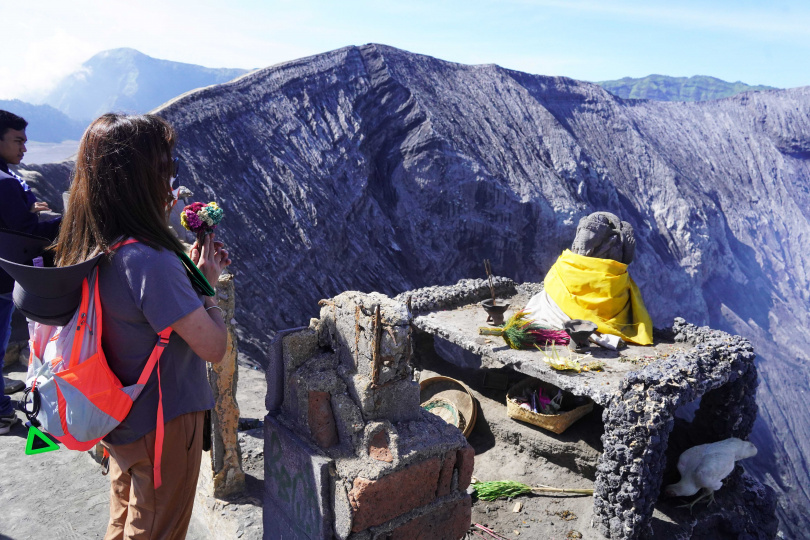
446 474
376 501
378 447
448 522
321 420
465 460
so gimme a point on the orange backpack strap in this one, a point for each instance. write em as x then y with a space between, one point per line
123 243
81 328
163 341
154 363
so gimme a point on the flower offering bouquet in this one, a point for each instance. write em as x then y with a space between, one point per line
201 219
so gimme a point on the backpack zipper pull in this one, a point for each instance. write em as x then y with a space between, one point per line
82 321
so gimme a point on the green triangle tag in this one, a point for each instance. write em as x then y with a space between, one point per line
38 442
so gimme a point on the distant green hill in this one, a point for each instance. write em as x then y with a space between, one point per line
664 88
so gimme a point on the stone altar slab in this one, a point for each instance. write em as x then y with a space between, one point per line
640 390
460 325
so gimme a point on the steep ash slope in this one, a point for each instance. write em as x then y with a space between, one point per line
375 169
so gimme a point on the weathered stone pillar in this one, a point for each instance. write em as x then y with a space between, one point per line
631 466
730 410
226 457
721 370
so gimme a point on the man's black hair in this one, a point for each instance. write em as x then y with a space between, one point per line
11 121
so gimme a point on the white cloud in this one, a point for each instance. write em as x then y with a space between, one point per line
55 37
44 62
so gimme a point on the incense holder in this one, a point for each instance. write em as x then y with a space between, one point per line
580 331
495 310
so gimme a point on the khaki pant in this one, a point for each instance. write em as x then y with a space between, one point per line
137 509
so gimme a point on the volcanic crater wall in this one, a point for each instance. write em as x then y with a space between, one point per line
370 168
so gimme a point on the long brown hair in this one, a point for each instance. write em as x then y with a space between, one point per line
120 188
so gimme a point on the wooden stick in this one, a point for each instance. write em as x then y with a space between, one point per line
375 358
548 489
488 268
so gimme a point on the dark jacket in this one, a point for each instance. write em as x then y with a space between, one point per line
16 199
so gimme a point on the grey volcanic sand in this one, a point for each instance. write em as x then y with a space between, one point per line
62 494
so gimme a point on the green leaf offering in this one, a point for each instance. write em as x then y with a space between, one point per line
490 491
504 489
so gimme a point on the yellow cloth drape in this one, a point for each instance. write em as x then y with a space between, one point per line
601 291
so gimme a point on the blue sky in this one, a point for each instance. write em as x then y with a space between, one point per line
757 42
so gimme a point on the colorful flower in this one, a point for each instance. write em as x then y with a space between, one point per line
203 215
201 218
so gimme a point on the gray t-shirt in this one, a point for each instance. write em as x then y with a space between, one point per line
144 291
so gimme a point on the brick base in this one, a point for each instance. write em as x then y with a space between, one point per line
376 501
322 420
379 447
447 522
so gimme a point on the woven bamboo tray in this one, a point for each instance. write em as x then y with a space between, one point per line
556 423
450 400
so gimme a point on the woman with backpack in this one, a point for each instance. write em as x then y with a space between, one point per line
122 190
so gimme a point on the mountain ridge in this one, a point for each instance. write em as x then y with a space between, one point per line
667 88
45 123
126 79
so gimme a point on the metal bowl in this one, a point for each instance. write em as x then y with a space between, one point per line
495 310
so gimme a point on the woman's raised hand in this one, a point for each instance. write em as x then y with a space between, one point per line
211 258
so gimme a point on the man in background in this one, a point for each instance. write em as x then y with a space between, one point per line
19 211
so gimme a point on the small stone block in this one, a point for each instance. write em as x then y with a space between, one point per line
397 401
297 485
299 347
377 501
342 510
275 371
378 447
275 377
465 460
